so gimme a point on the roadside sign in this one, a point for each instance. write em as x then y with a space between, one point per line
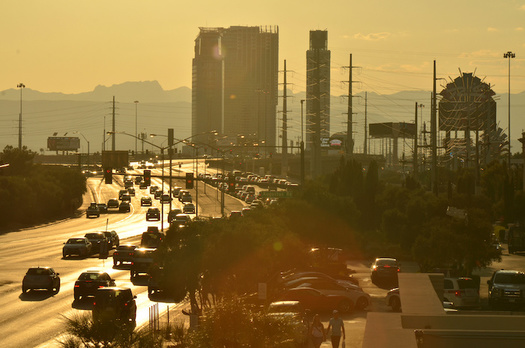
276 194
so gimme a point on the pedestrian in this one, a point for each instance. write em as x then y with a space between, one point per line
317 331
338 328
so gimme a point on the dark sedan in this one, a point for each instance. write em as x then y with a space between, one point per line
153 214
88 282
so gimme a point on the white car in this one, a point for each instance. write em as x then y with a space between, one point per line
462 292
394 300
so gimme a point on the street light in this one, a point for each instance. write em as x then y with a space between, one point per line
508 56
77 132
21 86
136 133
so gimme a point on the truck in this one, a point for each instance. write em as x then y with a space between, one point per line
516 239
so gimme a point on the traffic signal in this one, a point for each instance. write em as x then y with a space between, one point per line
147 177
231 184
189 181
108 176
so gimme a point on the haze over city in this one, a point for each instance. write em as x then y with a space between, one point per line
71 47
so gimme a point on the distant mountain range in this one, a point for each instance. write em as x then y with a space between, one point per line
90 113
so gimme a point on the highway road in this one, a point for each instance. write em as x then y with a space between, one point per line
36 319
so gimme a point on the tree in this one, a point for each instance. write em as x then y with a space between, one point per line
19 160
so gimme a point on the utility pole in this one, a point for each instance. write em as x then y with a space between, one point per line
113 127
509 55
284 162
433 135
365 145
522 140
349 125
136 123
21 86
415 148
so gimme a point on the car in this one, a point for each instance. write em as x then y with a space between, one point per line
249 198
77 246
143 185
113 238
123 254
128 184
151 238
124 207
146 201
165 198
182 193
153 214
157 194
393 299
506 287
114 304
173 213
256 204
235 214
92 210
245 210
122 193
359 299
315 300
138 179
181 219
113 203
461 291
89 281
143 259
175 191
131 191
152 189
188 208
347 281
41 278
102 207
97 239
293 313
385 269
186 199
125 198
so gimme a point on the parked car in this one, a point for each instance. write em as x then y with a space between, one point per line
153 214
88 282
146 201
113 238
113 203
393 299
102 207
462 292
124 207
97 239
188 208
77 246
293 313
93 210
317 301
123 254
41 278
359 299
345 281
385 269
114 304
506 287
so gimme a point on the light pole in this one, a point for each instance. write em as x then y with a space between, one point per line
136 132
508 55
21 86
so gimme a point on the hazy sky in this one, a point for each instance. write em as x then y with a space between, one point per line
72 46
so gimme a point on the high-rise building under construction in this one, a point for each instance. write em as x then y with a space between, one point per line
234 83
317 90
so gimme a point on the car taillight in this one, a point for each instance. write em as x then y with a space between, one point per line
77 286
100 286
458 293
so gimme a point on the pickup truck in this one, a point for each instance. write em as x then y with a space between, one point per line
506 287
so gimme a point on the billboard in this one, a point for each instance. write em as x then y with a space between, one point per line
392 130
63 143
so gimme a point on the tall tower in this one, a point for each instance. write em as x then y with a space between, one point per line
317 95
235 72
